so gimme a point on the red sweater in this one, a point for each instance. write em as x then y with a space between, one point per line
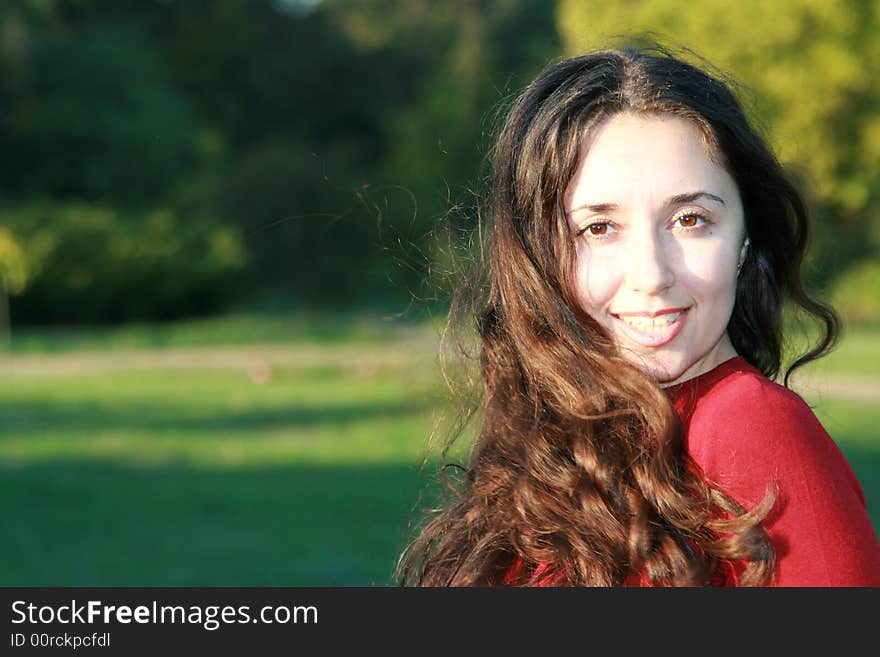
744 431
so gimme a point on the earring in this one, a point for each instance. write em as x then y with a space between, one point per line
742 255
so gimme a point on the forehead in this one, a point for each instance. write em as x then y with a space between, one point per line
633 158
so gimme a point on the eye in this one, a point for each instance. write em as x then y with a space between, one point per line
596 229
690 220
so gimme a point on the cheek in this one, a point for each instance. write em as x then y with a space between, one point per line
710 275
597 282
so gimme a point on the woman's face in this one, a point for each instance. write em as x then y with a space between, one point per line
659 234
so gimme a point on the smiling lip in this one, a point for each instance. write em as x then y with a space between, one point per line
653 337
655 313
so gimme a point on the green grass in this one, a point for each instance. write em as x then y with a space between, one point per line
853 426
206 477
858 354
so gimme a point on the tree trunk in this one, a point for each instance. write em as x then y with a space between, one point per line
5 324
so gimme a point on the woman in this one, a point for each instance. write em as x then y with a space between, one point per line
643 239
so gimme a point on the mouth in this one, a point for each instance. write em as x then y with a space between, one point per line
653 329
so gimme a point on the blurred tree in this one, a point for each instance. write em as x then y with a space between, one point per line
92 122
813 68
88 263
470 57
294 115
14 275
328 136
93 117
348 128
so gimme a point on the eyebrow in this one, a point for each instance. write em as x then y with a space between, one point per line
672 200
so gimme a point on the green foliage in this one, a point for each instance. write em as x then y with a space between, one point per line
331 138
331 135
89 263
812 67
466 60
15 271
94 118
300 222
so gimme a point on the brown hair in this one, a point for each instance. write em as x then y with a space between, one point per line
579 462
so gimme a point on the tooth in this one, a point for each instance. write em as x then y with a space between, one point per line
652 324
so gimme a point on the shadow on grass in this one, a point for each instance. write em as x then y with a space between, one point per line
866 465
95 524
98 524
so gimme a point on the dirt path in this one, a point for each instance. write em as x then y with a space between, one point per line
214 358
254 358
837 386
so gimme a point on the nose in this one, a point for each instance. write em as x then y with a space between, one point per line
647 264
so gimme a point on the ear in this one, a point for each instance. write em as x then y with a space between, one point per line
742 254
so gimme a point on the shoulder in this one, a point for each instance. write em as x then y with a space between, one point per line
748 434
751 404
749 397
754 408
747 429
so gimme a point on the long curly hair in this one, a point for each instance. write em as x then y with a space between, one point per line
579 462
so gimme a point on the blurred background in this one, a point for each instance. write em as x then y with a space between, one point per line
219 312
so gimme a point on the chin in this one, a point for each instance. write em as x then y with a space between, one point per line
659 371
